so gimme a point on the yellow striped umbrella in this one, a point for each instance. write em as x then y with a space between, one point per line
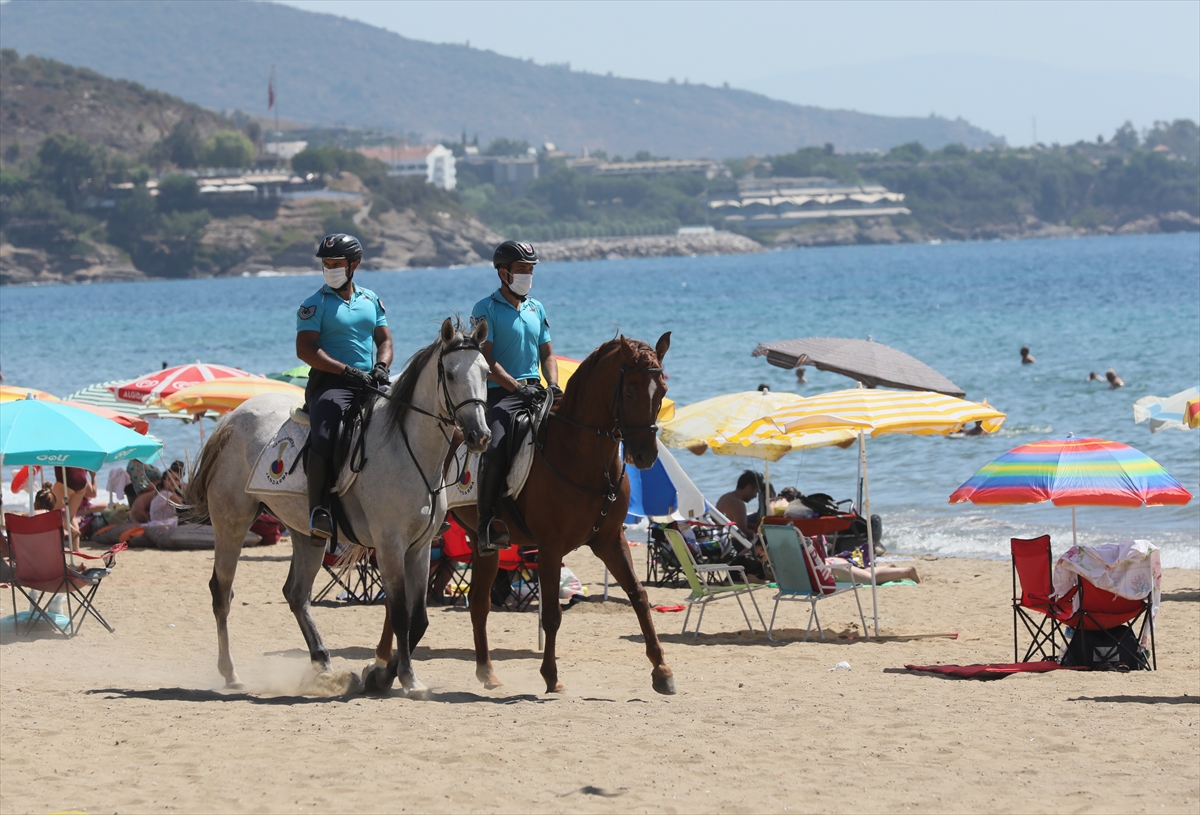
877 411
568 366
11 393
223 395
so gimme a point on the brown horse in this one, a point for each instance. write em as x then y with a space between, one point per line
577 495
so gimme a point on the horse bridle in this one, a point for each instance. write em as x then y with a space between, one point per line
617 434
619 425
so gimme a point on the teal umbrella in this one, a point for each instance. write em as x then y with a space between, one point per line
57 435
294 376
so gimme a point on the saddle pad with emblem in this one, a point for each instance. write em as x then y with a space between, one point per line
463 491
276 470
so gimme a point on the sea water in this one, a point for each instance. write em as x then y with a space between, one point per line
1129 303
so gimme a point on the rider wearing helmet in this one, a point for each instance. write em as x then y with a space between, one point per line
518 341
337 329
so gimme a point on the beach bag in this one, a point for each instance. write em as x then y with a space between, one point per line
820 503
1117 648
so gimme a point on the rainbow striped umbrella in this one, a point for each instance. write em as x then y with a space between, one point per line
1073 472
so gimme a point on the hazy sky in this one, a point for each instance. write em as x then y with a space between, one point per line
760 45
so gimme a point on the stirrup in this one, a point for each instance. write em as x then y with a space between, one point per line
320 525
487 543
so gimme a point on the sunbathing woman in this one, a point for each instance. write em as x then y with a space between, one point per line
844 571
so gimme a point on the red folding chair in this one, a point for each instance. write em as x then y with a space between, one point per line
1031 562
1102 613
355 571
450 565
41 569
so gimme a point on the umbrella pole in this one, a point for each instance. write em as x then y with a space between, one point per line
862 463
1074 534
200 422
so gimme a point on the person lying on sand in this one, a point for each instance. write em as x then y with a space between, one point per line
844 571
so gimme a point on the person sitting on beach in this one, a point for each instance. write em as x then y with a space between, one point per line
1026 357
75 486
150 505
338 331
733 504
1114 381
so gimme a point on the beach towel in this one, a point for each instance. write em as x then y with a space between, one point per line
994 671
463 491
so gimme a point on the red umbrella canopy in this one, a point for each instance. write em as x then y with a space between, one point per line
135 423
1073 472
165 382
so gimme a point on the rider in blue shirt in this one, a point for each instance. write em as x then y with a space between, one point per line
518 342
342 333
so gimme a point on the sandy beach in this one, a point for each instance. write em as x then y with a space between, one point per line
137 721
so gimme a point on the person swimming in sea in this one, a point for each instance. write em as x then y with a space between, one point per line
1026 357
1114 381
1093 377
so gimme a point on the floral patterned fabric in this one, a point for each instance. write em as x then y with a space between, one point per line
1129 569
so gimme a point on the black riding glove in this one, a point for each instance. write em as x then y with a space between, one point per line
357 376
528 392
555 391
380 375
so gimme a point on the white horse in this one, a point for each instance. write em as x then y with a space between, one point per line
395 505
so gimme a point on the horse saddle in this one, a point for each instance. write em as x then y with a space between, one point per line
279 468
522 436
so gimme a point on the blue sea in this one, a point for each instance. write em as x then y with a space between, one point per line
1129 303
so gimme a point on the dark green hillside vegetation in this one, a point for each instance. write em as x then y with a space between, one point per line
954 192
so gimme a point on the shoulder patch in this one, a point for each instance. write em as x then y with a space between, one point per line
379 300
306 312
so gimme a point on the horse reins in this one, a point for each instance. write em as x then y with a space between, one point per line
617 434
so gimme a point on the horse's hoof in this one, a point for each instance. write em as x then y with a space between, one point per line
665 685
557 687
420 694
488 679
354 685
238 685
372 681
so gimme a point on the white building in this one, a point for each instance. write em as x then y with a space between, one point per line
433 161
286 150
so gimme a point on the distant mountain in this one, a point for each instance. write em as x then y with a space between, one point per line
330 70
1003 95
43 96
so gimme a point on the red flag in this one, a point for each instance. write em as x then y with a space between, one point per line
271 90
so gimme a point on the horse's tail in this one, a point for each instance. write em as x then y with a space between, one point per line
195 493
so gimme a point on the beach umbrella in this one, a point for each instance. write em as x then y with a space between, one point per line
53 434
1071 473
101 395
161 384
1167 411
11 393
873 412
134 423
708 424
1191 413
223 395
871 363
295 376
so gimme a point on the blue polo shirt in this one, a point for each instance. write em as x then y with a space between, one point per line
347 328
515 333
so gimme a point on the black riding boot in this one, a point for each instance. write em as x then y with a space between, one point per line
491 485
319 519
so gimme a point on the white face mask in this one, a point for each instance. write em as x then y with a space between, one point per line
521 284
335 278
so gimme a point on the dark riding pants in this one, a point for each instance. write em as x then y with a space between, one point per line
328 397
502 407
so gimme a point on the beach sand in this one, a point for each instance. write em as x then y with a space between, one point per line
137 721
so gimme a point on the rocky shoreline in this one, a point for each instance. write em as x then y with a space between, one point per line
403 240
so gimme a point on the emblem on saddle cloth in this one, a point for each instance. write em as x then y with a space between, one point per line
277 470
465 469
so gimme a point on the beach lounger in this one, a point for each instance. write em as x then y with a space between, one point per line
734 583
450 565
802 575
43 566
1032 595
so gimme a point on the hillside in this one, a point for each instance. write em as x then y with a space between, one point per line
220 54
43 96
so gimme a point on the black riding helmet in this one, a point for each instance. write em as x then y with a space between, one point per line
340 245
509 251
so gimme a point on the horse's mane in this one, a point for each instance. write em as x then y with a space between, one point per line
573 395
401 392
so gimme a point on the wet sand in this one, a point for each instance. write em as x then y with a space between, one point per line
137 721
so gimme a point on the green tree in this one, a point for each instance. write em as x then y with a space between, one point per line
507 147
178 192
1126 137
911 151
132 219
562 191
228 148
182 145
68 166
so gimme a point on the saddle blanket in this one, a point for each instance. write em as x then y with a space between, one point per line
277 471
463 491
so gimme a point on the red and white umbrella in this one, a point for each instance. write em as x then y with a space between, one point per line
160 384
